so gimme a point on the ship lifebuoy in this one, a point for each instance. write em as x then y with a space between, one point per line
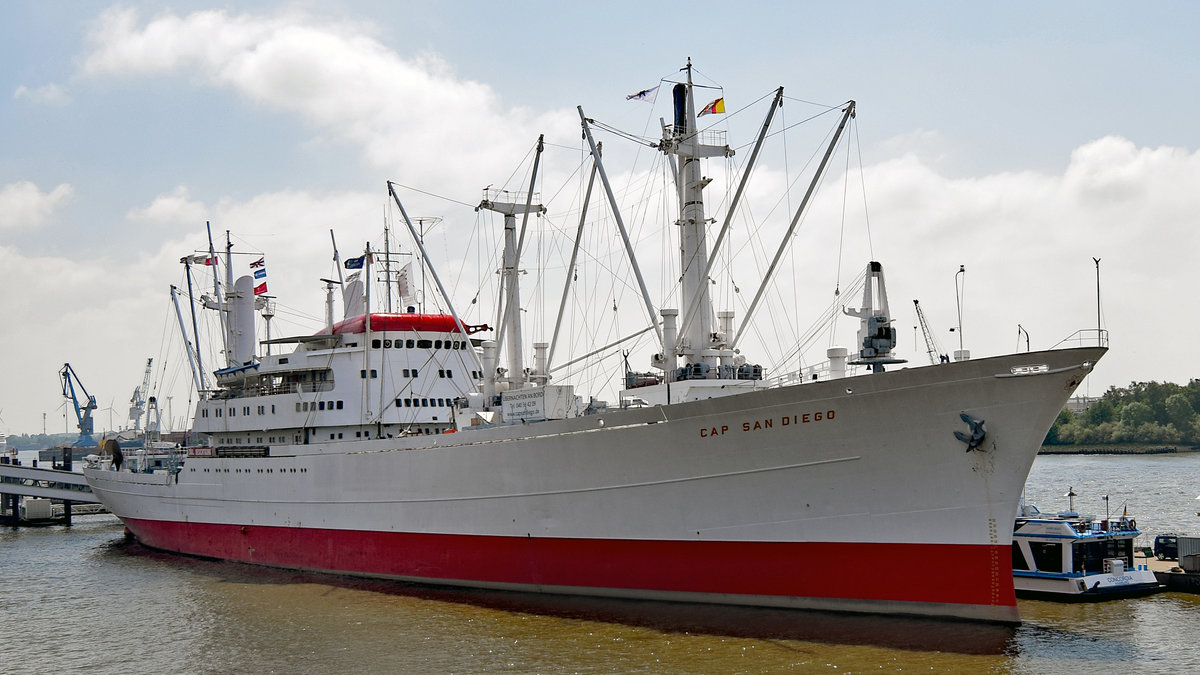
1132 524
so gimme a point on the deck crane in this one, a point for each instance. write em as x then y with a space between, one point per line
936 355
137 403
83 411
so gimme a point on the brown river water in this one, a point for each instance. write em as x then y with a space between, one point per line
82 599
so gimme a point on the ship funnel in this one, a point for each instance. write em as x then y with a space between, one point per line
680 93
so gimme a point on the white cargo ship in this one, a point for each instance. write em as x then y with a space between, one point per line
395 445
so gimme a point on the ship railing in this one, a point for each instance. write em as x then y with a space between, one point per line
293 388
820 372
491 194
788 379
714 137
1087 337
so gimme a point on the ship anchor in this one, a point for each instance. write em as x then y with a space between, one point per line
978 433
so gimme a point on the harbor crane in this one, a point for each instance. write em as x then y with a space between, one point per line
936 355
83 410
137 403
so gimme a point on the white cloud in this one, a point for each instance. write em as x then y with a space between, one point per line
50 94
176 208
928 144
23 205
408 115
1028 239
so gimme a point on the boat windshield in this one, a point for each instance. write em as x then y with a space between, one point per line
1089 556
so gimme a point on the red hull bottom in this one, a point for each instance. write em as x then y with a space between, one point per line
967 581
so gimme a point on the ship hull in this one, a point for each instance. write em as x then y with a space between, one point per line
851 494
1086 587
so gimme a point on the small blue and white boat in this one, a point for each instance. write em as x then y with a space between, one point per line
1066 556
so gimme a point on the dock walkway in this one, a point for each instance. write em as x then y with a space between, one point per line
27 481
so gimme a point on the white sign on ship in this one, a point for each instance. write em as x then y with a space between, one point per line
538 403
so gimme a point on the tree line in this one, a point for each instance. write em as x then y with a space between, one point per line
1143 412
40 441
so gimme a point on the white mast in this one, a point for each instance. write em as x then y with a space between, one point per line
510 328
682 139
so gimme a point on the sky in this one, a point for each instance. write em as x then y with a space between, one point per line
1018 140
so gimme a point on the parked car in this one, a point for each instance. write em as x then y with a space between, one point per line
1166 547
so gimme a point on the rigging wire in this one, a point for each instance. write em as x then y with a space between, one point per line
862 177
433 194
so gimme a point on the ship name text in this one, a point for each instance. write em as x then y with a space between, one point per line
769 423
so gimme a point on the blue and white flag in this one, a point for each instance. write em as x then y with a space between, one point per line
647 95
355 263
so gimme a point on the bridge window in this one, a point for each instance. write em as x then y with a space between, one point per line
339 405
387 344
424 344
411 343
374 344
1046 556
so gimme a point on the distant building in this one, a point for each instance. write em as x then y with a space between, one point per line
1078 404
